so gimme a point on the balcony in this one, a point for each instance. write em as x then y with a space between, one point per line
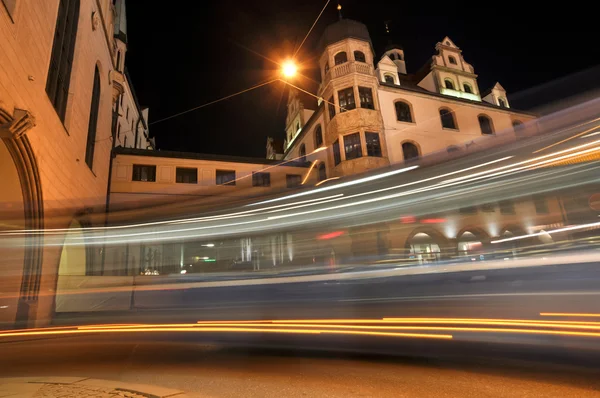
346 69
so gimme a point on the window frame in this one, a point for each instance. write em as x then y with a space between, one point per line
418 151
331 105
340 61
360 55
467 88
337 153
502 102
220 174
318 136
139 168
452 60
90 146
185 171
369 101
410 113
490 124
385 77
450 116
449 82
373 145
293 180
261 179
352 147
346 94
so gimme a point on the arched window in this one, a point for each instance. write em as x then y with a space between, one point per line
341 58
359 56
302 153
449 84
410 151
318 136
93 123
399 56
389 79
61 61
486 124
392 56
517 126
447 118
467 88
452 60
501 102
322 172
403 112
326 67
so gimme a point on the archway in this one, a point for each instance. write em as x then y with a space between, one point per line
472 242
425 246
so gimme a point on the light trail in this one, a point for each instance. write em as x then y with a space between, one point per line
312 166
569 314
311 28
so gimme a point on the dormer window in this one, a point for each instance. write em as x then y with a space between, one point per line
389 79
502 103
452 60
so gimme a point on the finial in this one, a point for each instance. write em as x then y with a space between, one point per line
339 8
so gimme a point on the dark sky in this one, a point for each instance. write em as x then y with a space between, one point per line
195 52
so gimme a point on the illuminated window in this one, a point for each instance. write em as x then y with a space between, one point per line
373 144
467 88
331 105
403 112
410 151
61 60
366 98
541 206
260 179
302 153
485 123
318 137
506 207
346 98
352 146
93 122
501 102
389 79
447 118
142 172
293 180
322 172
225 177
340 58
449 84
337 158
186 175
359 56
452 60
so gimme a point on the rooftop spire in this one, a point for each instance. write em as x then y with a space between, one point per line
339 8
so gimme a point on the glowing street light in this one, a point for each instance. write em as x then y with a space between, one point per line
289 69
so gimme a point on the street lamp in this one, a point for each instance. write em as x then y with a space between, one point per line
289 69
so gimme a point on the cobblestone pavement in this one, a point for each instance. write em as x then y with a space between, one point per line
75 391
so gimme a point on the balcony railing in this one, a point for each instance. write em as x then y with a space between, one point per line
346 69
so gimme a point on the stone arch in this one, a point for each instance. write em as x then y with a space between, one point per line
472 241
12 132
425 244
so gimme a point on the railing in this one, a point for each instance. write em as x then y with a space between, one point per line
345 69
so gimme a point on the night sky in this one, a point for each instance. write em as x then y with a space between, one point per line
184 56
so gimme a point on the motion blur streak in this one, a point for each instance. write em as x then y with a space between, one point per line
568 314
241 329
554 231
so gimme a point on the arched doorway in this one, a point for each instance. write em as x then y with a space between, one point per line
472 243
424 247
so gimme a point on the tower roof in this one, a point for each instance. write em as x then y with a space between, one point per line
344 29
392 46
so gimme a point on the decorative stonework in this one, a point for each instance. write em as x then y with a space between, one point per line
95 21
15 126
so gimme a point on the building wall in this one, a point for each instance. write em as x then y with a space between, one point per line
426 131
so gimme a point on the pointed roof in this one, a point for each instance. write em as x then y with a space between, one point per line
448 43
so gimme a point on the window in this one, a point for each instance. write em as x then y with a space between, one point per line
186 175
61 60
467 88
506 207
331 105
447 118
541 206
393 56
389 79
517 126
260 179
410 151
373 144
322 172
399 56
449 84
403 113
452 60
488 207
10 6
340 58
501 102
346 98
127 113
359 56
93 123
302 153
485 123
225 177
318 136
352 146
326 67
293 180
337 158
144 173
366 98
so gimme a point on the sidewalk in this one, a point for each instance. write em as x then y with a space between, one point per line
81 387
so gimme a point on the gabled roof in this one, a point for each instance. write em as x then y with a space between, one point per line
448 42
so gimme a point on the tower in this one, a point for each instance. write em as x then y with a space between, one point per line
353 124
